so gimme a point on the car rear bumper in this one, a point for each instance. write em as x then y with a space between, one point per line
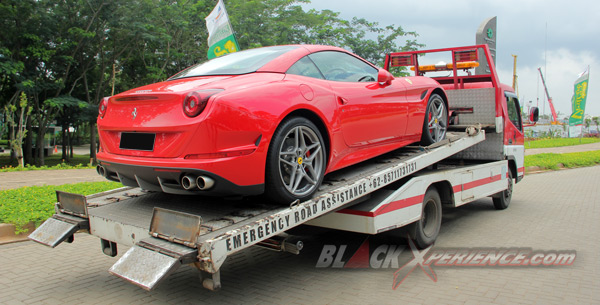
168 180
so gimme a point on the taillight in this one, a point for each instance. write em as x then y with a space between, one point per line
102 107
195 102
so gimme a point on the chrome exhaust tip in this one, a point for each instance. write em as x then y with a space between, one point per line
101 170
188 182
204 183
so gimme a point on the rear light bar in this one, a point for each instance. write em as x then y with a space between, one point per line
223 154
401 61
463 56
136 98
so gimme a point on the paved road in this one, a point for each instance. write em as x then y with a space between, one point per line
10 180
564 149
550 211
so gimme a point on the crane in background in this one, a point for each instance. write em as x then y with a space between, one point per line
514 83
554 117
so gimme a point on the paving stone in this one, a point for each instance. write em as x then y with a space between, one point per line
550 211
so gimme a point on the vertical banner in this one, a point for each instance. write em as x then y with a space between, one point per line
220 34
579 97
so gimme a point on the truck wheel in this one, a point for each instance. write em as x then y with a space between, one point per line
435 122
425 231
502 199
296 161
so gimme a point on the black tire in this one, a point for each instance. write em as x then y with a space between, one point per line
296 161
502 199
425 231
435 122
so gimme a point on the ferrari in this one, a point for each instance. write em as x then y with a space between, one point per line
272 120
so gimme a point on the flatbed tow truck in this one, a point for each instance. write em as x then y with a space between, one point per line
406 187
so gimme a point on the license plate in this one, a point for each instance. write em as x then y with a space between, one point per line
137 141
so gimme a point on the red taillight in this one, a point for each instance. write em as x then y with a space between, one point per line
195 102
102 107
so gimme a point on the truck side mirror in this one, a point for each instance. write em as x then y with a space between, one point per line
534 114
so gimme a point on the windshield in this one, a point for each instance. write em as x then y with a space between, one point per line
235 63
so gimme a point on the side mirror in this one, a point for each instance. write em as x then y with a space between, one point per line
384 77
534 114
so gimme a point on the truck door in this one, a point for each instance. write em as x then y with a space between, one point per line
514 139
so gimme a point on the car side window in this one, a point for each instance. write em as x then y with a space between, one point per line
342 67
305 67
514 110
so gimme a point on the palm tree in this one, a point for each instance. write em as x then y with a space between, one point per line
587 123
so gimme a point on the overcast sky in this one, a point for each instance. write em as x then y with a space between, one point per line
570 43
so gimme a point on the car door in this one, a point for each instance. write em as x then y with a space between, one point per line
370 113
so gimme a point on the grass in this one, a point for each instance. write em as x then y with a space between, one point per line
52 162
554 161
558 142
36 203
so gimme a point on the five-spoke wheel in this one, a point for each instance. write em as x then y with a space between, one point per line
296 161
436 120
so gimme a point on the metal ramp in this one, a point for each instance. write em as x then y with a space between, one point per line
154 258
71 216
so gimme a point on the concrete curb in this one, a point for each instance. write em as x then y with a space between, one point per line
8 235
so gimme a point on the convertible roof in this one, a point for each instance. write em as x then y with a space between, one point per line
286 60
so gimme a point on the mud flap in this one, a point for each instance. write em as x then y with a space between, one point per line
151 260
71 216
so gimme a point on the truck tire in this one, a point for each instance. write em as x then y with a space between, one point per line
502 199
425 231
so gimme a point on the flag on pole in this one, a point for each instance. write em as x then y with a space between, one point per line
220 33
579 98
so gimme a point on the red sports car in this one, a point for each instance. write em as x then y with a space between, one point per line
270 120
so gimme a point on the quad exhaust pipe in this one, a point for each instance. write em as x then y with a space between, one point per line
101 170
188 182
203 183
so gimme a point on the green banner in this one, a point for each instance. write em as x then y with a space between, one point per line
578 99
222 47
220 34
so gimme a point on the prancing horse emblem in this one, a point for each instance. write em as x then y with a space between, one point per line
134 113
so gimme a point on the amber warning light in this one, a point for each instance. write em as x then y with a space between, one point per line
446 67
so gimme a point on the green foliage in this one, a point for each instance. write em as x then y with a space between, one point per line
273 22
36 203
63 53
555 161
52 162
558 142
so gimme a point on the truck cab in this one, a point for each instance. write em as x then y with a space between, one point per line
473 99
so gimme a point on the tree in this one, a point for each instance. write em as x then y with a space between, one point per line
587 123
597 122
66 51
17 116
68 110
